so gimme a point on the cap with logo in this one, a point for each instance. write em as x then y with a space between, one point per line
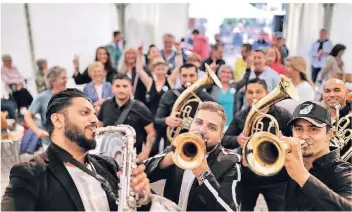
314 112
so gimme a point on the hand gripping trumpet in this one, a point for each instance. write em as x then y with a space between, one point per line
264 152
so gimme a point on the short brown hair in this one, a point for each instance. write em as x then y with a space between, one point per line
213 107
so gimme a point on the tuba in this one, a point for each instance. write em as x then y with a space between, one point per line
264 152
118 142
342 132
185 102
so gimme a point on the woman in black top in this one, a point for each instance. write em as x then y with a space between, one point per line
157 82
102 55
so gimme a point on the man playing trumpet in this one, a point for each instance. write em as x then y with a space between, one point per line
320 180
212 184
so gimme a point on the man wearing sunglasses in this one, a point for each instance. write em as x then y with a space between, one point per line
320 180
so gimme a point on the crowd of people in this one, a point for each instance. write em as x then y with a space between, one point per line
125 86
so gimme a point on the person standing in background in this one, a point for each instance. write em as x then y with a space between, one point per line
168 54
281 47
318 53
200 44
296 70
215 60
114 49
241 65
273 60
41 74
102 55
261 43
334 66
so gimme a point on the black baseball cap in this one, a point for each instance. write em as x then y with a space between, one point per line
314 112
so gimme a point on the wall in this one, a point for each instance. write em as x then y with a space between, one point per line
59 32
341 33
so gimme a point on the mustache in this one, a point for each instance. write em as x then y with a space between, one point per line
92 125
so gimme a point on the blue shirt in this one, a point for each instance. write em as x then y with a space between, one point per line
39 106
261 45
271 77
319 63
226 100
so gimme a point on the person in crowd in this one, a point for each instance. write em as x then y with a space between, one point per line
229 94
66 177
196 60
215 60
121 109
7 104
158 82
114 49
200 45
335 92
14 84
273 60
152 54
97 90
319 179
241 65
279 43
211 186
57 80
334 66
262 71
251 185
102 55
164 116
217 38
261 43
296 70
168 54
318 53
225 96
41 75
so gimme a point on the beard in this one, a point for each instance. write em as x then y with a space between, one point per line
76 135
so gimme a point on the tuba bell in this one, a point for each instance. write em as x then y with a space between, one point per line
264 152
188 97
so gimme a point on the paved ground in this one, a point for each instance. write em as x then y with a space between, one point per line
7 161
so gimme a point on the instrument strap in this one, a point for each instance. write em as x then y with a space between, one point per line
125 112
65 157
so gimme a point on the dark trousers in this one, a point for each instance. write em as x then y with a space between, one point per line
315 72
9 106
23 98
274 196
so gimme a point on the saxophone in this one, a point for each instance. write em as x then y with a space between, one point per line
118 142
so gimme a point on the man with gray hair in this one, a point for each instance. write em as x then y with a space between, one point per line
56 81
168 54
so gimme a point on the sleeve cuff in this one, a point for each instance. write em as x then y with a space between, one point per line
312 187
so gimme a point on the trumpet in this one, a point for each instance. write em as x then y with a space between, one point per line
188 150
264 152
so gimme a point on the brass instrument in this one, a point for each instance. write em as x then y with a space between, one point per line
342 132
118 142
188 150
264 152
188 97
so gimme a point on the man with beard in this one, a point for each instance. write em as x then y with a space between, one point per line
164 117
212 185
137 115
320 180
65 177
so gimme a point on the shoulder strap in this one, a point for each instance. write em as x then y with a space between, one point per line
124 113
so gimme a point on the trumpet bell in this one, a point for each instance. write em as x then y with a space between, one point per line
188 151
265 154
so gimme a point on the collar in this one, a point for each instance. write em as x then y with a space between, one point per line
120 107
327 159
319 41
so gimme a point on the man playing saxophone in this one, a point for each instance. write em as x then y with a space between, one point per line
320 180
273 187
212 185
66 177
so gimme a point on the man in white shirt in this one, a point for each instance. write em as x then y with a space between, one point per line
212 185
